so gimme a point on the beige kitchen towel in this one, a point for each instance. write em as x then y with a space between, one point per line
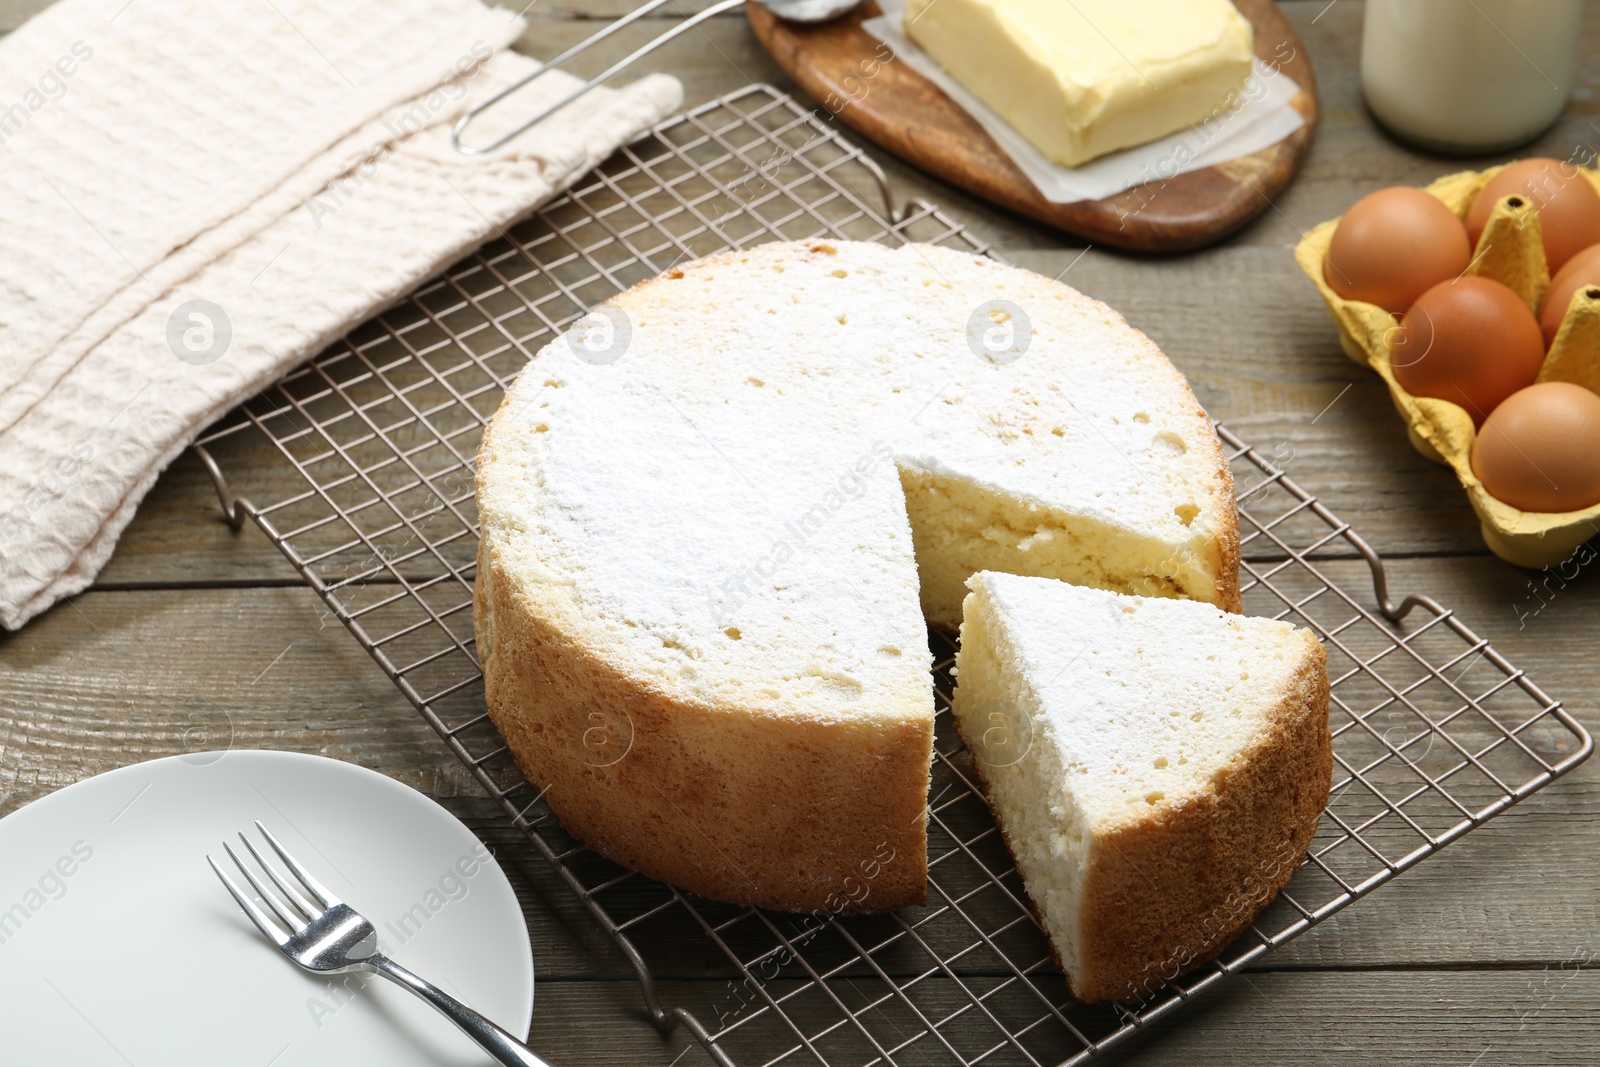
75 463
130 129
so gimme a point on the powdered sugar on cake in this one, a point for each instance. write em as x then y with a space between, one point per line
725 500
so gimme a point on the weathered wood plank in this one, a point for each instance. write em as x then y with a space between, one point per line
14 13
131 673
1539 1018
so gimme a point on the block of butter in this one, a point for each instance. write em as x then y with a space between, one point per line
1080 78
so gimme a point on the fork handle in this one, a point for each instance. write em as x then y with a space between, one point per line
497 1042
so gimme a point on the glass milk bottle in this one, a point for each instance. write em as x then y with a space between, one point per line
1469 76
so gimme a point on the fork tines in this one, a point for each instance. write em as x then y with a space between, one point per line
289 904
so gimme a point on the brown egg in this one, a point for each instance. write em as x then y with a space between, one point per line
1581 270
1394 245
1540 450
1569 208
1471 341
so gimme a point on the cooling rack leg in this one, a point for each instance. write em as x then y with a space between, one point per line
231 510
882 179
912 204
702 1036
1380 583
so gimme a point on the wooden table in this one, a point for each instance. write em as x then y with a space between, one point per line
1484 955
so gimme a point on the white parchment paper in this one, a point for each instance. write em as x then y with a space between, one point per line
1261 117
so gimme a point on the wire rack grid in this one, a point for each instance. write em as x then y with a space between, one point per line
375 509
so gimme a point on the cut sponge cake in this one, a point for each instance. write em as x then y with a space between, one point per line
715 527
1158 767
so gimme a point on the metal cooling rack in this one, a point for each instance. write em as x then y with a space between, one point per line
375 509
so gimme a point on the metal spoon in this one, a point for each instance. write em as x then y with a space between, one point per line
808 10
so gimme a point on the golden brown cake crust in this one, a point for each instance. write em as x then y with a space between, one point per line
775 811
1166 894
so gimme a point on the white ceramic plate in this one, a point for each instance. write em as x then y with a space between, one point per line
118 946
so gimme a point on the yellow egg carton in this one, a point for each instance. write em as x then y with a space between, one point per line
1511 251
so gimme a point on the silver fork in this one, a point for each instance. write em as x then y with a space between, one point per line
331 937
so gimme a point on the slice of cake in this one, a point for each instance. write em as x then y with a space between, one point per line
715 526
1085 78
1157 766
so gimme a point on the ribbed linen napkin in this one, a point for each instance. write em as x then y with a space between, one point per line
298 182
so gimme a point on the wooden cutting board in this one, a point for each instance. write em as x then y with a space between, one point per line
846 69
